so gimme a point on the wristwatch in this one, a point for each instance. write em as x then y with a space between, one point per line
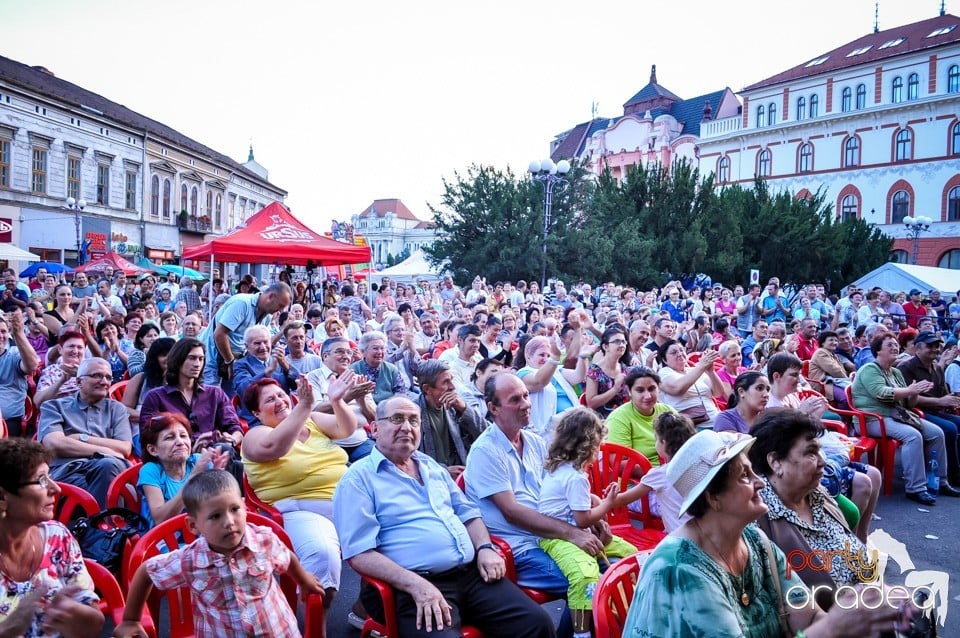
489 546
84 437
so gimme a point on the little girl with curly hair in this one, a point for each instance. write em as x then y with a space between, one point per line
565 495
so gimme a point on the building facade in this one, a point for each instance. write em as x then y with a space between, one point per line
874 124
148 190
390 229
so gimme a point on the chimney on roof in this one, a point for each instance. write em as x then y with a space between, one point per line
707 111
43 69
250 156
653 74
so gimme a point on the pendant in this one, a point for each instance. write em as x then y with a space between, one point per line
744 599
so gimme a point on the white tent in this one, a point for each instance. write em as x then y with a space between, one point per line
12 253
904 277
410 270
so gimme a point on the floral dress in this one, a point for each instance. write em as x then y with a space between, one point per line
61 565
604 383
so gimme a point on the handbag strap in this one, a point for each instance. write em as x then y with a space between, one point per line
771 563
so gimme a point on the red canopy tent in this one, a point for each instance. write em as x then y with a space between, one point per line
113 260
275 236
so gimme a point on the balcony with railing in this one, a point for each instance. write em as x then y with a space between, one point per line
719 128
194 224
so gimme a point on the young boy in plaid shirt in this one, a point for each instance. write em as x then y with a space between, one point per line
229 569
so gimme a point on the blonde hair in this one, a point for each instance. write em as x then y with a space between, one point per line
576 439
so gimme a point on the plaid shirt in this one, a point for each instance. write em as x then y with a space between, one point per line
232 596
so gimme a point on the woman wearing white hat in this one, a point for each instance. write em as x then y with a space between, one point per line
715 576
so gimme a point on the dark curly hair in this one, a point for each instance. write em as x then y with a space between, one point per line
18 460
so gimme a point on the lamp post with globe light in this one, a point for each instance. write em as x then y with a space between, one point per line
77 207
551 176
915 226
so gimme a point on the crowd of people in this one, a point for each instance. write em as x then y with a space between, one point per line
355 411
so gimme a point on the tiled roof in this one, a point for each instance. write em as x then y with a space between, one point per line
44 83
690 112
650 91
381 207
573 142
872 48
425 226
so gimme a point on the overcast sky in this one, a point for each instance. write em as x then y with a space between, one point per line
347 102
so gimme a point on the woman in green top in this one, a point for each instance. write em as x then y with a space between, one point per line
715 576
631 424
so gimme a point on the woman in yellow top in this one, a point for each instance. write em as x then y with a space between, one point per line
292 463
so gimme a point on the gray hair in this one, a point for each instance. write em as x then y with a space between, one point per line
430 370
384 405
87 364
390 320
727 346
252 330
368 338
279 288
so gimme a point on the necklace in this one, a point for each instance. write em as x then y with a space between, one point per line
30 565
738 580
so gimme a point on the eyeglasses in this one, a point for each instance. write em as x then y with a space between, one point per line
44 482
99 377
400 419
618 342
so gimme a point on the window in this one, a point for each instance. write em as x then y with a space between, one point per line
955 139
760 116
194 195
103 184
5 163
805 161
953 204
900 208
183 197
155 196
950 259
816 62
848 207
851 153
73 177
763 163
130 191
941 31
771 114
913 86
723 170
232 212
904 146
845 99
801 108
167 188
859 51
953 79
899 257
897 95
861 96
892 43
814 105
210 204
217 219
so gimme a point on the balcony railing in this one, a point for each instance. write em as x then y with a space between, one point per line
194 224
716 128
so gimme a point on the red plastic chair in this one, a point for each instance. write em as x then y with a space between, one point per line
170 533
623 465
236 406
886 447
74 502
254 504
123 492
613 596
111 597
863 444
117 390
388 628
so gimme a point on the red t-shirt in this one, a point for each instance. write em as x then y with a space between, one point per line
914 313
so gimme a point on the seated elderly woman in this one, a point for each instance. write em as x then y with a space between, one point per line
549 383
45 589
801 516
732 358
827 368
292 464
60 379
717 575
690 389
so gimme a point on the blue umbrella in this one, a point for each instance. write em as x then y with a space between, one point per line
182 271
52 268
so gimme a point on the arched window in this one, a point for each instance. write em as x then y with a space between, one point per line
210 204
183 197
953 204
763 163
950 259
904 148
723 170
913 86
167 192
953 79
861 97
897 94
955 139
760 116
814 105
218 212
801 108
900 207
805 160
155 196
899 257
846 99
851 153
848 208
194 195
771 114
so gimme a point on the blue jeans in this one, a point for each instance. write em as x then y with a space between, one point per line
949 424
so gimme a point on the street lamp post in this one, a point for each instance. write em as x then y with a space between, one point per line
77 207
915 226
551 176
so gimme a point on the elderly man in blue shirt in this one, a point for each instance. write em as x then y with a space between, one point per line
402 520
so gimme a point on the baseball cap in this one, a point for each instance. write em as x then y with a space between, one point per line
915 291
927 337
